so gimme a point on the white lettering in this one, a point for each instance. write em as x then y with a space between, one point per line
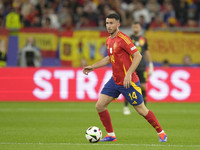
88 86
178 79
44 84
161 89
64 76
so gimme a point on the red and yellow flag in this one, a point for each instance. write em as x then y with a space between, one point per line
45 39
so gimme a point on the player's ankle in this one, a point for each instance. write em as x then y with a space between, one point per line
161 132
111 134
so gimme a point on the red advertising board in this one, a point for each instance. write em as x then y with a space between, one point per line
69 84
174 85
51 84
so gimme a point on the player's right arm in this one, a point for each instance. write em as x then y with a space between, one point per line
105 61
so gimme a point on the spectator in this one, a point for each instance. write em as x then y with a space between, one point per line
62 15
164 4
143 24
100 7
154 8
3 56
53 17
132 6
78 13
187 62
72 4
173 22
192 23
30 13
197 3
192 12
165 63
92 15
68 24
1 21
169 13
107 10
1 8
29 55
198 21
47 23
41 6
141 11
31 42
89 5
157 22
181 11
85 22
118 8
36 22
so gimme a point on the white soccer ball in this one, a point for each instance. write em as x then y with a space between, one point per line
93 134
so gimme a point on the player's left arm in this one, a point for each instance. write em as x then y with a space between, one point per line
136 60
147 56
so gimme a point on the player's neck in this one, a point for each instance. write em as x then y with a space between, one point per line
114 34
137 34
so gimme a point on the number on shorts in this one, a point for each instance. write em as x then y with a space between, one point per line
133 96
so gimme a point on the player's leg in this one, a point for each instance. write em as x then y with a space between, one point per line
126 110
108 93
134 96
151 118
101 107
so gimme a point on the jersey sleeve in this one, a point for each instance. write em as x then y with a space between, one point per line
128 46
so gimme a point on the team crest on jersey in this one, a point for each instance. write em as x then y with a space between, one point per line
114 46
142 41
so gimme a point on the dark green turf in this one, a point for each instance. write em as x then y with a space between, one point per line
61 126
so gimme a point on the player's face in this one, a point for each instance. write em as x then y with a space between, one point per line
136 28
112 25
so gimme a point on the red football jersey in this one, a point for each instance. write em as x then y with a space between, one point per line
120 50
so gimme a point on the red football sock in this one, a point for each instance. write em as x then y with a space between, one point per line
106 120
151 118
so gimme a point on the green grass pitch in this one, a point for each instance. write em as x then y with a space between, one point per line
62 126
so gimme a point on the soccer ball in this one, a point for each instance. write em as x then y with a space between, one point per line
93 134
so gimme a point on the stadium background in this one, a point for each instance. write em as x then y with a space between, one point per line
28 123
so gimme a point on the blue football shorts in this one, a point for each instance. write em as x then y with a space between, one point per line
133 94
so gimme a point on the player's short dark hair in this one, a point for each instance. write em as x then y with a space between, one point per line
136 22
113 16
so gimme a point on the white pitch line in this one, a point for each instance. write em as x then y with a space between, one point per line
147 145
88 110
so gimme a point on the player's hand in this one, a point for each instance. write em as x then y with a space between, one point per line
150 68
127 80
87 69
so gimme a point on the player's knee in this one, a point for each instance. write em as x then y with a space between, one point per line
99 107
143 112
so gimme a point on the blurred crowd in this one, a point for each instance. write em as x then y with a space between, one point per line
70 14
